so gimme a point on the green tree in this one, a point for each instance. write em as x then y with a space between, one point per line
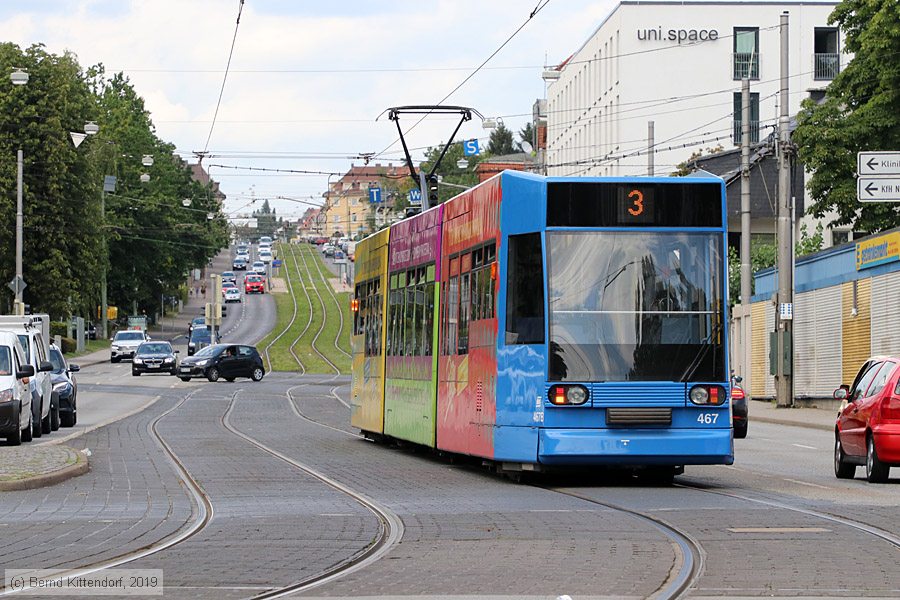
526 134
61 195
501 141
449 172
861 111
266 220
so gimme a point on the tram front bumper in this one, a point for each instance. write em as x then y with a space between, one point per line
635 446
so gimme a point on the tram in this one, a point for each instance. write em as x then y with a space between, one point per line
551 321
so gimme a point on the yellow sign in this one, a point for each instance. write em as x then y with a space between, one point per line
878 251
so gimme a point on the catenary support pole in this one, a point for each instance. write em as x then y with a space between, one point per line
650 150
746 274
784 385
19 307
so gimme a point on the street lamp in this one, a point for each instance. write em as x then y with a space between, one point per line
145 177
91 128
19 77
462 164
186 202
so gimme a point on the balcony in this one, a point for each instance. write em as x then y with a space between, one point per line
736 132
826 66
745 64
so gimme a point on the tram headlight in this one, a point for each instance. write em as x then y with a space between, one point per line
708 395
573 395
699 395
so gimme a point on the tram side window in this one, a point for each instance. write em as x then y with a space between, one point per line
462 346
451 315
358 317
410 348
378 318
525 290
428 338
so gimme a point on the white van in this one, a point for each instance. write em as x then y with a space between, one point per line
15 391
33 332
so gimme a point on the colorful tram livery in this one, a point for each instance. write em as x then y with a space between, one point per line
541 321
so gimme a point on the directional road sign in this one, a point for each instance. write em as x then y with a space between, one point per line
877 163
375 195
415 196
17 284
878 189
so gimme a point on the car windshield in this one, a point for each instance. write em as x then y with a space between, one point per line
5 361
129 336
208 351
228 274
635 306
56 359
200 335
155 348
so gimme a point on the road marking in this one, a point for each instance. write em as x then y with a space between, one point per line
815 485
804 446
778 530
553 510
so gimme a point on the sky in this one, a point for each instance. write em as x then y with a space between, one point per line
309 79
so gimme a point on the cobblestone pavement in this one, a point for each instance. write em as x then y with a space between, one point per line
32 466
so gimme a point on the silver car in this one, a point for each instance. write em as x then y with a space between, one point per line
125 343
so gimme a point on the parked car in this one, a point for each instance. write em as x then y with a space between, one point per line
200 338
15 394
91 330
254 284
154 357
867 431
34 336
739 411
227 361
232 295
65 386
124 344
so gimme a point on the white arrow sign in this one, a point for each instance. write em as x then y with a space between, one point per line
877 163
878 189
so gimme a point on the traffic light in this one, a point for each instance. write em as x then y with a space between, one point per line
432 190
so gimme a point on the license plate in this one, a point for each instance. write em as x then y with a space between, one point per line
185 369
153 366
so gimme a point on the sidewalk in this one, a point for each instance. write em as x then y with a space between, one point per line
29 467
812 418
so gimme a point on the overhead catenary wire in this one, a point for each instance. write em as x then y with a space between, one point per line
225 76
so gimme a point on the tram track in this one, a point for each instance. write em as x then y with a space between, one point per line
204 505
290 323
390 525
340 310
331 363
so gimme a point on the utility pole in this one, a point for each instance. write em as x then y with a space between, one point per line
104 257
19 305
746 274
784 357
650 143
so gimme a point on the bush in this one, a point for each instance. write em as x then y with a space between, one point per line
69 345
60 328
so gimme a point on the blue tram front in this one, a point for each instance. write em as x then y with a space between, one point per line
613 322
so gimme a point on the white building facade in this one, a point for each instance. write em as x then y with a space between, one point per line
680 65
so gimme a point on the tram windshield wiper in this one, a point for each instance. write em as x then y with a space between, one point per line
701 354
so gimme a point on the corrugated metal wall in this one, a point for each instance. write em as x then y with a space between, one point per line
769 317
886 314
817 342
760 349
857 330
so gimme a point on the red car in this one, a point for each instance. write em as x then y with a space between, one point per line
254 284
867 431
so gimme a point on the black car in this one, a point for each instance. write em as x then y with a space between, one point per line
226 361
739 410
239 264
195 323
64 386
91 331
154 357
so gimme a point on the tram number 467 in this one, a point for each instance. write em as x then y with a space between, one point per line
707 418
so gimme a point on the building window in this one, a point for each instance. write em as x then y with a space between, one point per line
754 117
839 237
746 53
826 60
353 218
336 219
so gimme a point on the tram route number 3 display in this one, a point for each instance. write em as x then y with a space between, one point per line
636 207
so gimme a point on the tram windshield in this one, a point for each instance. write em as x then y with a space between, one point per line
631 306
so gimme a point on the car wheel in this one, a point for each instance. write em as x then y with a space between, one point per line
45 423
67 419
876 471
135 374
842 469
740 430
54 415
15 438
36 430
229 379
115 359
185 378
257 374
213 374
26 433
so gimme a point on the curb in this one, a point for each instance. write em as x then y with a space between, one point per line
80 467
777 421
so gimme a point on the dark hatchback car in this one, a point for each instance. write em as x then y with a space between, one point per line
225 361
65 387
201 337
154 357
